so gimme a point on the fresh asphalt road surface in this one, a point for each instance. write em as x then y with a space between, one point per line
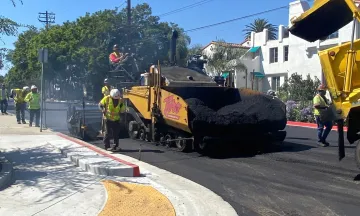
299 179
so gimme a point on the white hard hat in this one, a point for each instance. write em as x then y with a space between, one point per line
271 92
105 80
115 93
26 88
33 87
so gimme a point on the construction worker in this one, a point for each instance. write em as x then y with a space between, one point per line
33 99
111 106
321 105
117 57
106 89
4 97
271 92
20 103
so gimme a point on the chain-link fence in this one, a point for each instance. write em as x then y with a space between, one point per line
55 106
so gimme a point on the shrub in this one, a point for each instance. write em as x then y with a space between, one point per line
298 94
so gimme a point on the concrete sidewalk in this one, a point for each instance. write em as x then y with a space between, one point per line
46 182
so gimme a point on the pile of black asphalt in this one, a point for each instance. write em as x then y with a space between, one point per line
253 113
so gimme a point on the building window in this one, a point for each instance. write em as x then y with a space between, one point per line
333 35
286 53
273 55
275 83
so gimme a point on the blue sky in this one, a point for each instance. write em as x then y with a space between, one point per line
212 12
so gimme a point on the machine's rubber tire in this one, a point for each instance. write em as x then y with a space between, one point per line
357 154
182 145
202 146
142 134
132 130
162 140
168 137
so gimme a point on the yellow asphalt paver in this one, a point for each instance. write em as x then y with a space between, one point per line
128 199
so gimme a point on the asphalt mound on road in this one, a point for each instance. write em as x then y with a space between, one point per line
253 113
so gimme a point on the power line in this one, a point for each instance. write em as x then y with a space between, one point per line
122 4
215 24
185 8
236 19
154 39
176 11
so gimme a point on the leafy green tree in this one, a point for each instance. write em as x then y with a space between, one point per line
258 25
79 50
8 27
298 89
222 55
195 49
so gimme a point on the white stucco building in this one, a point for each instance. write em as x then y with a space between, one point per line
209 49
270 61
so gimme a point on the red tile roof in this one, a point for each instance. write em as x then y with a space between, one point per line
233 45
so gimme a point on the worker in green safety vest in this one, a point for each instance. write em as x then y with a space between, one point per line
33 99
20 103
321 113
111 106
4 97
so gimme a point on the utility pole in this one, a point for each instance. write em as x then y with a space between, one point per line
46 18
129 24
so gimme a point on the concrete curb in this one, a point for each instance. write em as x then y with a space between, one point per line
91 159
5 173
309 125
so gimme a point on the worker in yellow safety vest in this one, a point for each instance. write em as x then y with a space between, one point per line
4 97
20 103
111 106
321 106
106 88
33 99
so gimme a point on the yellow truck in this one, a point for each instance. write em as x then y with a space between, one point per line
340 64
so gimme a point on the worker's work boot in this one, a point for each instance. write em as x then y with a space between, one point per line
30 124
322 144
115 148
326 143
24 122
107 146
19 122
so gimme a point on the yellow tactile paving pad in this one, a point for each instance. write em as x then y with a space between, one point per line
127 199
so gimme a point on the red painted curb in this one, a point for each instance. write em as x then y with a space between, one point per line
136 168
308 125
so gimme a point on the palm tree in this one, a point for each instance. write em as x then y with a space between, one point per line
258 26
